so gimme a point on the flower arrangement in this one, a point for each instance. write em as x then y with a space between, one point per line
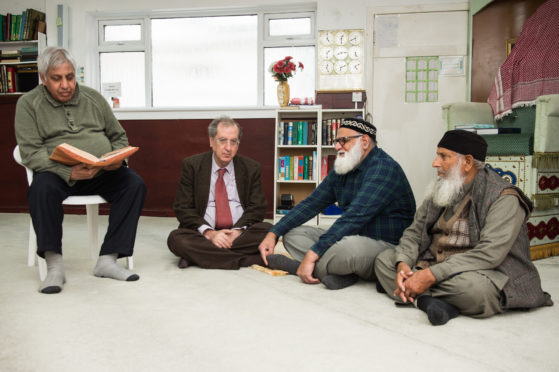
285 68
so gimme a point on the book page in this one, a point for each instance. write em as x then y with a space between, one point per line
112 154
79 152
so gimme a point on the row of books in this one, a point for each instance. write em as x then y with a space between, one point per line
297 133
303 167
330 130
19 78
297 168
304 132
24 26
483 129
16 55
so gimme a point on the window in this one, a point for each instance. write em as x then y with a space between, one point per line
204 60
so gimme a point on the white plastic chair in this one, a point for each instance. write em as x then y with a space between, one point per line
91 203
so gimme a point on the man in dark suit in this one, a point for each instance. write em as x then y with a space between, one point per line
220 205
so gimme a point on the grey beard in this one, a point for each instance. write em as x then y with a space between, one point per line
447 191
350 160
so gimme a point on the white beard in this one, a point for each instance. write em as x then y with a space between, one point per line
350 160
449 190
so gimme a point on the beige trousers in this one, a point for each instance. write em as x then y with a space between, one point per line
473 293
352 255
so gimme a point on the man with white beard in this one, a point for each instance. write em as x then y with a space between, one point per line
467 250
377 203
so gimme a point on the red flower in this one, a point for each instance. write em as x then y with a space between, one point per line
284 68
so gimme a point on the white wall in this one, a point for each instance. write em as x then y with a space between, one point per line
331 14
18 6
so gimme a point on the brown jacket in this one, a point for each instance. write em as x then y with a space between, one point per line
194 188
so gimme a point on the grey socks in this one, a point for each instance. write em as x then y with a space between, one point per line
55 274
281 262
331 281
108 268
438 311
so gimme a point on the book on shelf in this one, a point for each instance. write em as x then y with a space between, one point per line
487 131
313 133
323 167
70 155
289 133
306 161
305 133
331 161
11 78
35 20
281 168
474 126
282 211
503 130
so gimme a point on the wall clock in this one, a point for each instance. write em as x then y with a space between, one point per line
340 60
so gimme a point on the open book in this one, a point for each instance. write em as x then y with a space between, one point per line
70 155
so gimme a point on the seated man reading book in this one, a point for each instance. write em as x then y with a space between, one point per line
61 111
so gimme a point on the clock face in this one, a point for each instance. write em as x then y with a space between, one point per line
354 52
340 59
354 67
340 67
341 38
326 52
340 53
327 38
355 38
326 67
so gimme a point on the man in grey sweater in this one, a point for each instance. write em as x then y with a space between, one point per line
61 111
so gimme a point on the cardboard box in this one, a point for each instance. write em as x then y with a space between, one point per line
342 99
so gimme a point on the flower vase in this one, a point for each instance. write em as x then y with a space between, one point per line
283 93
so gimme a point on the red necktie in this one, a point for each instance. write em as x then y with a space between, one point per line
223 219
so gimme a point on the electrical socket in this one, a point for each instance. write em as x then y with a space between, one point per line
356 96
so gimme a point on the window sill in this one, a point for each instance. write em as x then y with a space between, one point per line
193 113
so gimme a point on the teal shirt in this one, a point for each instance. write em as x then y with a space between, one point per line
86 122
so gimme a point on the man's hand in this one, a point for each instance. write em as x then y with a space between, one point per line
222 238
306 268
112 167
82 172
403 273
418 283
267 246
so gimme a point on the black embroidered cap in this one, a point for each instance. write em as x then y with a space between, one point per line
361 126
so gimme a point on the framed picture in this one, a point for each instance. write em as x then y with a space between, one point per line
509 45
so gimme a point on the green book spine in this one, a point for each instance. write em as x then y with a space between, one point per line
300 133
306 168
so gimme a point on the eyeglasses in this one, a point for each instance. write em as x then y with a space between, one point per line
343 140
233 142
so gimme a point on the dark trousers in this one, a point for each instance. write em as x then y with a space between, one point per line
196 249
123 188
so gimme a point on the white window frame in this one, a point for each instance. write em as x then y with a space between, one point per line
289 38
263 39
124 45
